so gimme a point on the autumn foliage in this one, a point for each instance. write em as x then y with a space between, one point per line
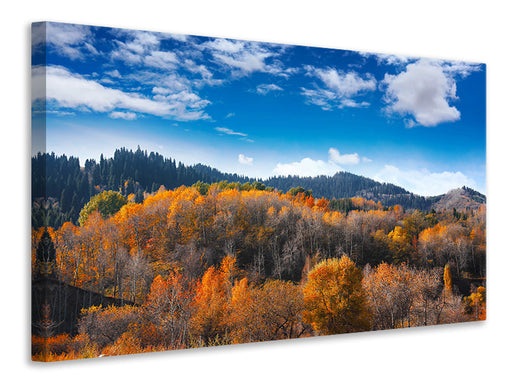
334 299
214 264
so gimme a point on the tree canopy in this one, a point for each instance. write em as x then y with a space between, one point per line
106 203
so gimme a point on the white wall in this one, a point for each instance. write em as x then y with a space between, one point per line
466 30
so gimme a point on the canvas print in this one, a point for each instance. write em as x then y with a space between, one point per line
194 191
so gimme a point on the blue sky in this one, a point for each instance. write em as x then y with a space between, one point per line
261 109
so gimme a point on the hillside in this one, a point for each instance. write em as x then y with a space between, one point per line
60 187
344 184
460 199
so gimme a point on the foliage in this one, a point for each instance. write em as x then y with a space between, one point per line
475 304
270 312
211 301
106 203
334 299
226 262
447 278
60 187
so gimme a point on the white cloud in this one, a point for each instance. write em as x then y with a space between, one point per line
345 159
115 73
340 88
137 46
205 73
71 90
306 167
123 115
424 182
242 159
161 59
244 57
228 131
226 46
70 40
458 67
60 113
391 59
246 62
321 97
107 81
423 91
89 47
345 84
179 37
193 67
310 167
263 89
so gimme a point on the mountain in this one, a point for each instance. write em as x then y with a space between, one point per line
460 199
60 187
344 184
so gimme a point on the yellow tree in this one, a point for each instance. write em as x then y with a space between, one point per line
447 278
399 245
334 299
211 301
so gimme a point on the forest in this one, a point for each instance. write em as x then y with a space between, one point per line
60 187
226 262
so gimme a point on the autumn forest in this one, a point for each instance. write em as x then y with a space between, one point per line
151 268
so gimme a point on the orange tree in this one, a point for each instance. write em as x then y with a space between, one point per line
334 299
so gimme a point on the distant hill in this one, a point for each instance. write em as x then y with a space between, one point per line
460 199
60 187
345 184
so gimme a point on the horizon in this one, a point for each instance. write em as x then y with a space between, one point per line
261 109
82 165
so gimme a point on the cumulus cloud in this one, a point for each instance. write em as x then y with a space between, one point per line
424 182
179 37
245 160
310 167
345 84
161 59
306 167
136 46
70 90
346 159
339 88
422 93
245 57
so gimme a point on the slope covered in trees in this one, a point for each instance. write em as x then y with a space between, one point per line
222 263
60 188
